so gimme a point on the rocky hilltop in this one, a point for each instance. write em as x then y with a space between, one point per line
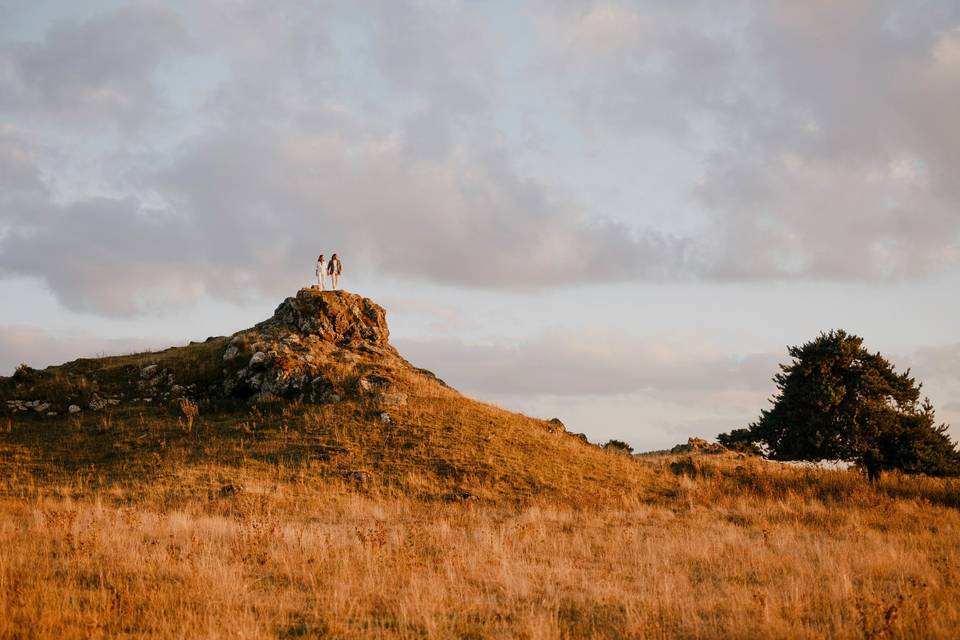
316 390
318 347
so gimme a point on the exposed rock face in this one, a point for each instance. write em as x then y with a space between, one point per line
342 318
291 354
698 445
319 346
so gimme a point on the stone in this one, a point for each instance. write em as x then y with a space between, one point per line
699 445
51 414
40 407
385 418
554 425
231 353
148 371
367 384
258 359
74 409
390 399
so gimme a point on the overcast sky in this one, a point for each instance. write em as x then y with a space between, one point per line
616 213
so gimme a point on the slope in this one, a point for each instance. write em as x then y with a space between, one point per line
316 392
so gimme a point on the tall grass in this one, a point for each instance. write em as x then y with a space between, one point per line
788 553
454 519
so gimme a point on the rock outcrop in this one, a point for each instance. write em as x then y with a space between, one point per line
318 346
699 445
294 353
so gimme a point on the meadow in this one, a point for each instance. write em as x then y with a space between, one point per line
232 532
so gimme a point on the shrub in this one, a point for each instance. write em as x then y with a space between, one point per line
618 446
190 411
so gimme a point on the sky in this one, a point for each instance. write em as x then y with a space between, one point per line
618 213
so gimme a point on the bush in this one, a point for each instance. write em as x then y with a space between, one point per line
618 446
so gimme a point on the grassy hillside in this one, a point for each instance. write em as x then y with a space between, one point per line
328 488
699 547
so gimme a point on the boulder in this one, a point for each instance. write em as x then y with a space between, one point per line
699 445
390 400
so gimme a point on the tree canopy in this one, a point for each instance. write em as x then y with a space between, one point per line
838 401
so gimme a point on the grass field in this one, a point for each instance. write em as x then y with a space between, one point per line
457 519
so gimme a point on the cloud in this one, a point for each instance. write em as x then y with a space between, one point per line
97 70
243 209
830 147
395 134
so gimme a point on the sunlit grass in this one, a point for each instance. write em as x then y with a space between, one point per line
453 519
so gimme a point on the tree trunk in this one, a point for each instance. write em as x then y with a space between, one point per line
872 467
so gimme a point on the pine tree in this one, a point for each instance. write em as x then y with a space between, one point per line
838 401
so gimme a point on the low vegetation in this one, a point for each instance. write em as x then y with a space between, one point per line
197 493
302 521
838 401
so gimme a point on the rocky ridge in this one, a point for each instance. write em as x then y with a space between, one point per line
318 347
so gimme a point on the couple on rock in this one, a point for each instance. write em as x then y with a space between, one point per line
332 269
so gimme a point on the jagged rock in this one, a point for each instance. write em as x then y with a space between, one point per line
319 347
699 445
554 425
385 418
371 383
337 317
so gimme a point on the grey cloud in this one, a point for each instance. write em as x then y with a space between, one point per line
110 256
836 154
96 70
839 154
245 209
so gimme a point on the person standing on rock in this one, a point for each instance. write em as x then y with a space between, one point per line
321 272
333 270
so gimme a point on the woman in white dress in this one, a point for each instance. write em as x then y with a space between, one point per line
321 272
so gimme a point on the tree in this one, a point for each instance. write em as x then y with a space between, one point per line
838 401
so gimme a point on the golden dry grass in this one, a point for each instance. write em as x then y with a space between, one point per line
295 521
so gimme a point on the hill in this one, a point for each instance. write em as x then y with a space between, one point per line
318 388
301 479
